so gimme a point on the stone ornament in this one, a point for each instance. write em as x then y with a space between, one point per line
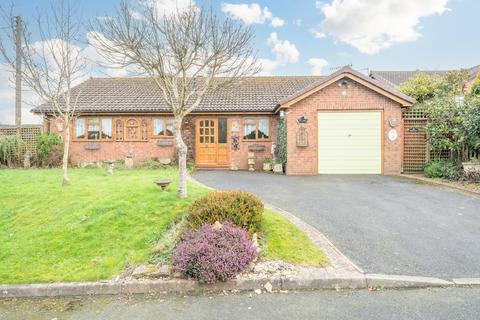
393 122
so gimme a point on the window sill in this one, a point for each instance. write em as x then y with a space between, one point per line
91 141
258 140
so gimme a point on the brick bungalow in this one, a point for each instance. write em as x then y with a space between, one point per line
346 122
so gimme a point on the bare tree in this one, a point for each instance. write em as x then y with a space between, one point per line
186 53
52 63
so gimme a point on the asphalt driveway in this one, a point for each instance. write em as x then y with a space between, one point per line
384 224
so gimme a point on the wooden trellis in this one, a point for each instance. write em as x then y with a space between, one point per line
28 134
415 147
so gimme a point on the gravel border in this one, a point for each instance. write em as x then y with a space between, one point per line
439 183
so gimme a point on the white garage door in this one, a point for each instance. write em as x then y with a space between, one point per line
350 142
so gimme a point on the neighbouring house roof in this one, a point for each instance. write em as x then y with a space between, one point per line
253 94
347 72
396 78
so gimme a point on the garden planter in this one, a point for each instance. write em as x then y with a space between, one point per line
471 166
129 162
267 166
278 168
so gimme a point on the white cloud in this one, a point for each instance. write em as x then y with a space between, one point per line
169 7
317 34
7 100
88 54
95 59
374 25
277 22
285 52
251 13
7 116
317 65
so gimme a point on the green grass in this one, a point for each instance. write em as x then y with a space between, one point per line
284 241
89 230
98 225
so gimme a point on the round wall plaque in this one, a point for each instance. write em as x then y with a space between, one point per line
392 135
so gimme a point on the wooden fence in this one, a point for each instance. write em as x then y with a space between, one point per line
415 147
28 134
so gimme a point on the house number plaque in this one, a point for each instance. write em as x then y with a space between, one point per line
392 135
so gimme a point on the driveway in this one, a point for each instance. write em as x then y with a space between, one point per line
384 224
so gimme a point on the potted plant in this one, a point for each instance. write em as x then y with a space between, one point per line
267 164
278 167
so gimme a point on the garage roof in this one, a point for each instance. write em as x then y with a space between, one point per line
347 72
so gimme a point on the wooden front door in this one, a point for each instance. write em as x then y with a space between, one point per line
211 148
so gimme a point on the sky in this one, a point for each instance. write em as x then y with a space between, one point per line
302 37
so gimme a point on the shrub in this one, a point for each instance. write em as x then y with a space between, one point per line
420 86
214 253
49 150
242 208
443 169
11 150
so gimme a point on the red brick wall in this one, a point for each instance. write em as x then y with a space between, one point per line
116 150
304 161
238 158
145 150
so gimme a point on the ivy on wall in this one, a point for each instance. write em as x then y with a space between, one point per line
282 142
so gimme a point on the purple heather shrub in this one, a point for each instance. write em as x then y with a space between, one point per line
214 253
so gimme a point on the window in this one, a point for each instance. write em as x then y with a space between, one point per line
222 130
80 128
107 128
163 127
256 129
93 128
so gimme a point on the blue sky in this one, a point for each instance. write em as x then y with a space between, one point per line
316 37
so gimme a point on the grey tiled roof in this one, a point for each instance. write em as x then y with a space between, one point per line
396 78
254 94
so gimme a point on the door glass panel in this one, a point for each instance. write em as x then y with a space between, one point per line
201 139
207 131
222 130
211 124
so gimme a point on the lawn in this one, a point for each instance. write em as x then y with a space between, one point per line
98 225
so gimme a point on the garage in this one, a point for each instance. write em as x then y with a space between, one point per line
350 142
346 123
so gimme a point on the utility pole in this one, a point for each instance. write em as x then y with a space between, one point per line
18 71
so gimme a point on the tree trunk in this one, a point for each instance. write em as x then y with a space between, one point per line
182 157
66 147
